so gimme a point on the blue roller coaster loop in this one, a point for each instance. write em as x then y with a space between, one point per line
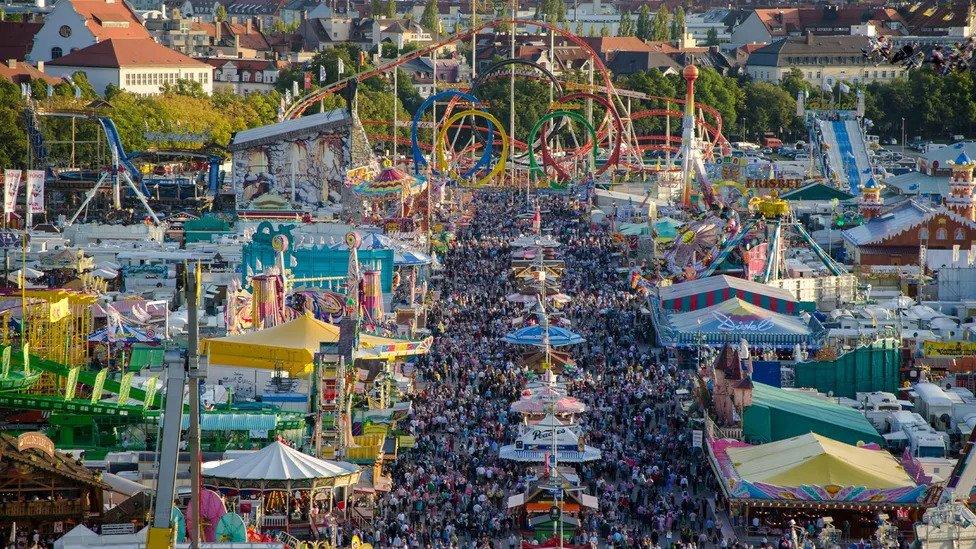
419 162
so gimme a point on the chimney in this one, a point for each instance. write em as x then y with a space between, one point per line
247 26
809 38
218 27
11 63
237 44
40 66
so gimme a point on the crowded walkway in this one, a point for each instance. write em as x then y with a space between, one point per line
451 489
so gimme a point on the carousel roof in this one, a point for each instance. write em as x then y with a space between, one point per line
390 180
279 461
535 241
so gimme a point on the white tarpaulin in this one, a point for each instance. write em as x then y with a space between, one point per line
279 461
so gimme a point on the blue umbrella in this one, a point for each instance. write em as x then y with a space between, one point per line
532 335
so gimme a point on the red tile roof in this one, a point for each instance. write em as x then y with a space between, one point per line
16 39
115 53
25 72
606 44
253 40
110 19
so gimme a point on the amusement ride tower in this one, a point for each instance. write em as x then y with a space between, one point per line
690 153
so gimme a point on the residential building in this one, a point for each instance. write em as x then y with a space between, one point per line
319 33
266 12
199 9
208 39
243 76
716 20
765 25
76 24
16 39
136 65
940 22
821 59
421 73
21 72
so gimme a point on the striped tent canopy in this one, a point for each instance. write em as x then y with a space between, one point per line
532 335
391 180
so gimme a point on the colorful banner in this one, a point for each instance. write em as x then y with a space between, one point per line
949 348
150 392
124 386
5 367
71 383
11 184
35 191
96 394
59 310
26 350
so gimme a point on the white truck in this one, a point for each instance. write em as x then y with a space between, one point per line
906 429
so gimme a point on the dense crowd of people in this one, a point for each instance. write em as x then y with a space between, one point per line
451 489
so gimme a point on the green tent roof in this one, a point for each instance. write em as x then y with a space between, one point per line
776 414
817 191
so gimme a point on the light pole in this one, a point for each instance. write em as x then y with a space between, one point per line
903 134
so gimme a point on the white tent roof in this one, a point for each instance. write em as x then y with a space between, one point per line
79 532
279 461
123 485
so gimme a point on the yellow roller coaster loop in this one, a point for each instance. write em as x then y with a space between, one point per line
441 145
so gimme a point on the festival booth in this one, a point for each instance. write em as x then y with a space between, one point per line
536 404
280 488
291 347
537 506
44 490
808 477
721 309
872 367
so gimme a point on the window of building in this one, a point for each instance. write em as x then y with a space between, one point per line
923 234
875 74
56 52
941 234
245 76
65 31
960 234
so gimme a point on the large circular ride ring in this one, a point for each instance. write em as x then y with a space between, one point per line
441 144
613 159
534 167
419 161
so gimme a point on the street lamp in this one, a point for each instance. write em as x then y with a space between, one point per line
903 133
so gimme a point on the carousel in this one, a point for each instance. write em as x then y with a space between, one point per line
393 196
281 488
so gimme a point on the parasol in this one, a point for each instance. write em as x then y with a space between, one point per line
231 529
211 510
533 335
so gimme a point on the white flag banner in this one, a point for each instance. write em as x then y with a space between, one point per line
11 184
340 66
972 254
322 74
35 191
955 254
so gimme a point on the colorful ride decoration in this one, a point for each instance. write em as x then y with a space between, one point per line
534 169
770 207
419 161
613 133
441 145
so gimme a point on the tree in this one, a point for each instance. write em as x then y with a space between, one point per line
376 7
678 24
644 23
604 30
13 154
711 39
579 29
769 107
660 25
626 27
391 9
220 14
721 92
429 18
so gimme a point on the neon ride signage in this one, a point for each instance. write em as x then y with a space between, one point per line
737 323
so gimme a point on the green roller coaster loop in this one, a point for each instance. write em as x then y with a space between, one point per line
534 167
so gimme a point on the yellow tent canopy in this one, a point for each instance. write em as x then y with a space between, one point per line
292 346
819 461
